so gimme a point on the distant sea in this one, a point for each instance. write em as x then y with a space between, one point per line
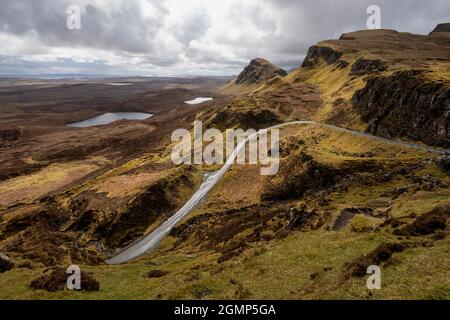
58 76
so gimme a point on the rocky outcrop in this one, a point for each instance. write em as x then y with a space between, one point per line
56 280
442 27
9 134
299 174
259 71
364 66
255 119
5 263
427 223
342 64
34 234
406 104
444 164
315 53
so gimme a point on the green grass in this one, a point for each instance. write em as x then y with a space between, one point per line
276 270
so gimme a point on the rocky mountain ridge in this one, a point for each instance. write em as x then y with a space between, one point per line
258 71
388 83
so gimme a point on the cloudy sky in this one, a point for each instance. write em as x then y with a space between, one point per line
186 37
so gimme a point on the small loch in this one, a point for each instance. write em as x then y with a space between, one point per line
110 117
198 100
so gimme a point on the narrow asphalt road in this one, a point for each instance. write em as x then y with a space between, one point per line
152 240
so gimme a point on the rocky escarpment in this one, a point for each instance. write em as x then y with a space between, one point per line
259 71
255 119
406 104
442 27
298 175
315 53
364 66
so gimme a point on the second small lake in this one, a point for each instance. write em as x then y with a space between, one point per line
198 100
109 118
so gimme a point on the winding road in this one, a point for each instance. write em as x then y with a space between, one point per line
152 240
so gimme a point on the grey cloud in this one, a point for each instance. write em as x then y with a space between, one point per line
288 28
123 30
193 28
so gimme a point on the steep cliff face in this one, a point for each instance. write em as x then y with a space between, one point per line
369 80
315 53
258 71
405 104
442 27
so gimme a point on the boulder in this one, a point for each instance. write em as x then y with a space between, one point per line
5 263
